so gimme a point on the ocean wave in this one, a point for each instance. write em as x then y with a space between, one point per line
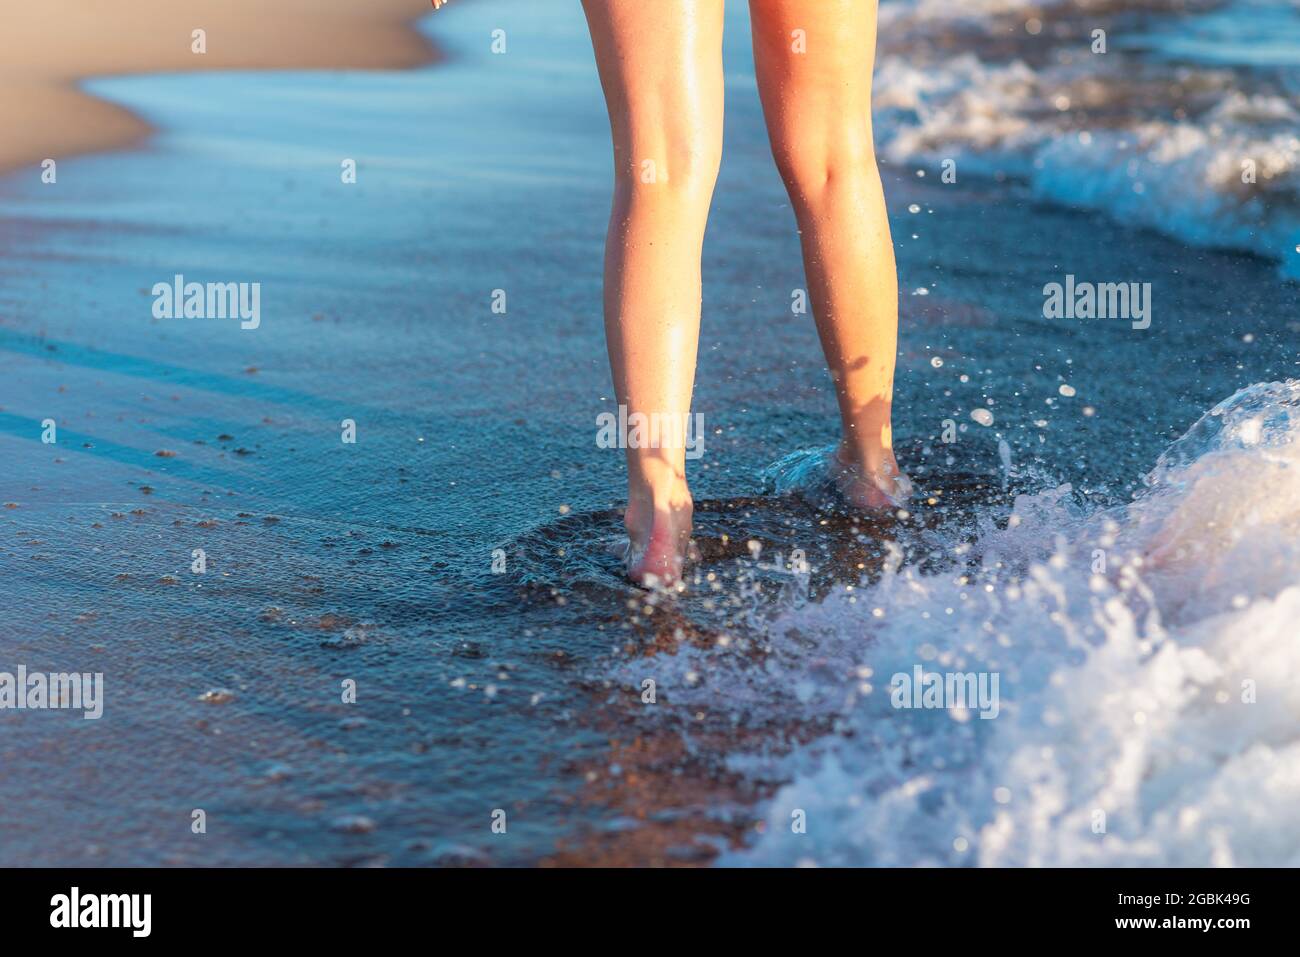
1203 149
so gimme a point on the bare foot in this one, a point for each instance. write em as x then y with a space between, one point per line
871 481
659 537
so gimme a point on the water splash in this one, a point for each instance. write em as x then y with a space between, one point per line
1149 678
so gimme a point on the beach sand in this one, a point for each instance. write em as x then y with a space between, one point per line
46 48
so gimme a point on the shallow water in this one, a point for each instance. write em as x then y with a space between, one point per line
523 691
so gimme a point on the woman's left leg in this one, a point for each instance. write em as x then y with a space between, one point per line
814 62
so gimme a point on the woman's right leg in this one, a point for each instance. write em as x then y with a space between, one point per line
660 65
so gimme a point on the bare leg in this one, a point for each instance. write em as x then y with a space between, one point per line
814 63
661 68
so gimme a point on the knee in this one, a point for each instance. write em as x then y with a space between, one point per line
672 168
813 166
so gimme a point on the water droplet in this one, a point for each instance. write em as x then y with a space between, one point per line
353 824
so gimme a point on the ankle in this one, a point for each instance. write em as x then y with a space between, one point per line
661 497
657 485
869 457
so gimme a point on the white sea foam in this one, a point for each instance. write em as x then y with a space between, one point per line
1122 691
1187 178
1149 671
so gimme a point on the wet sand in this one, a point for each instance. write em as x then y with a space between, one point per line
47 48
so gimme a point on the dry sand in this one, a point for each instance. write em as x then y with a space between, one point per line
46 47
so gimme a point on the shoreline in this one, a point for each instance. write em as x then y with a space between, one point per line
49 50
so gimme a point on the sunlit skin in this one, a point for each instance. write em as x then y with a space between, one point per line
661 69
